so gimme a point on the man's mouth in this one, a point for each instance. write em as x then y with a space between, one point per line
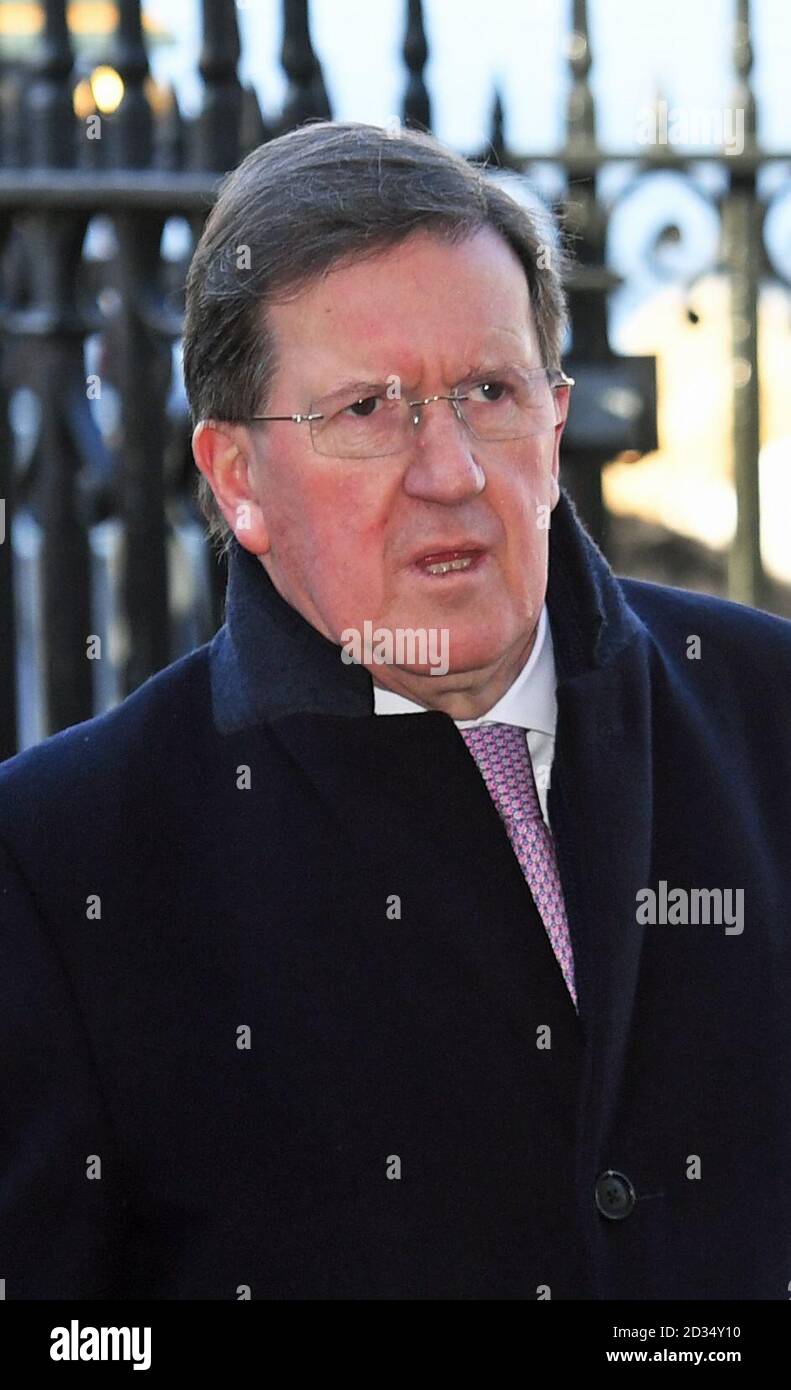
449 561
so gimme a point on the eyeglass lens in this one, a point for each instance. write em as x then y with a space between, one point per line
508 405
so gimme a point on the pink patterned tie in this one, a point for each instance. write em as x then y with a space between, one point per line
503 759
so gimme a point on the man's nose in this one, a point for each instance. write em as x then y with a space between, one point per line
442 465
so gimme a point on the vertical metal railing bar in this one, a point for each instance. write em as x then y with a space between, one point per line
742 233
306 95
497 151
580 110
217 128
8 649
143 376
51 330
216 145
416 109
10 135
169 133
585 225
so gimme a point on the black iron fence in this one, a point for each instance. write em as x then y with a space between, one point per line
99 212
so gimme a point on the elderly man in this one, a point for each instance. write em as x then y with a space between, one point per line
426 933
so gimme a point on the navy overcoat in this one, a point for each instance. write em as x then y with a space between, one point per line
278 1015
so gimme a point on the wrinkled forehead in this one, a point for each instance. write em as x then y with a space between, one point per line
425 309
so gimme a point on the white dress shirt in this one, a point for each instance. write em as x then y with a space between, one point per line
529 702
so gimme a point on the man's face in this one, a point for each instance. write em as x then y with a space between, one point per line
342 538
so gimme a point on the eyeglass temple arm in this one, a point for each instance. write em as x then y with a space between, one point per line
297 419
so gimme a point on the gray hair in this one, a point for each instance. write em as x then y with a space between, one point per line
326 193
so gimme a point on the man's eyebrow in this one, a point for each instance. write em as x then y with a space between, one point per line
478 369
351 384
499 364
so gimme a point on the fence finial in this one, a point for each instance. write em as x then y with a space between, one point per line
306 96
580 112
416 107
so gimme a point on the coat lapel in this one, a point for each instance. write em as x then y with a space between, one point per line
410 808
601 793
600 805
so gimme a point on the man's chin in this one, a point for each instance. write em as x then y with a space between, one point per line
449 668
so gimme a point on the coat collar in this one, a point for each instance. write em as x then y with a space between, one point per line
267 660
271 669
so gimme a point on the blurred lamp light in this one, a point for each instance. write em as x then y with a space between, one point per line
107 88
83 100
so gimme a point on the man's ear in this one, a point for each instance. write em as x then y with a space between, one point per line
223 454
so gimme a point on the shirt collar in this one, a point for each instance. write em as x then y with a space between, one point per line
529 702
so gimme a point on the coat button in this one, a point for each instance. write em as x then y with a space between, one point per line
615 1196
